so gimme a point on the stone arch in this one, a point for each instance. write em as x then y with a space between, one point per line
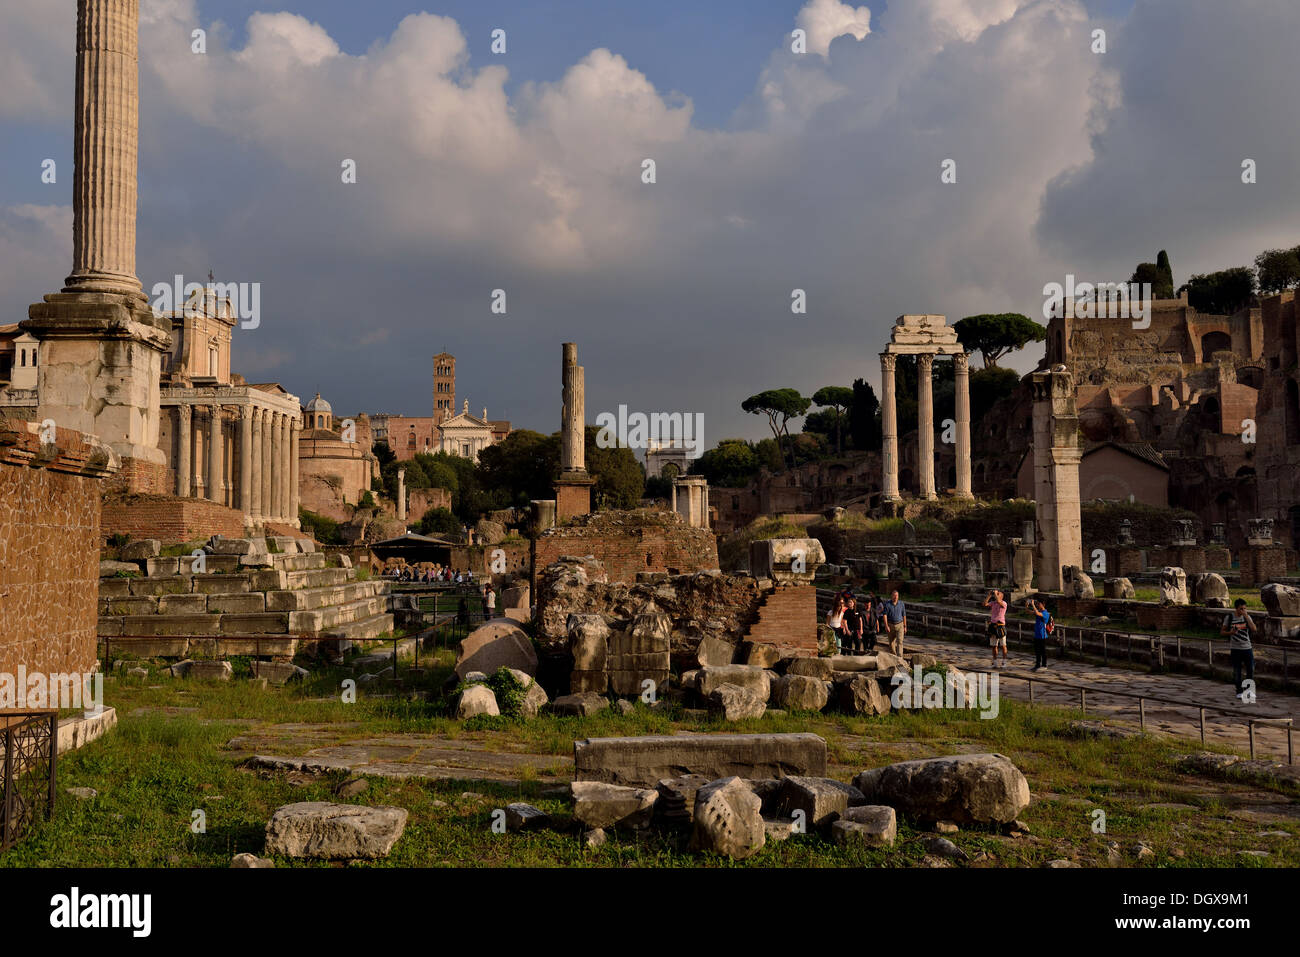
1213 342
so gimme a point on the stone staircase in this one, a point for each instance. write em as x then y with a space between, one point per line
232 602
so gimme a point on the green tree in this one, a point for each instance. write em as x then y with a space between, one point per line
438 521
1279 269
383 453
659 487
620 479
780 406
864 417
989 386
1222 292
838 399
730 464
1159 274
521 467
996 334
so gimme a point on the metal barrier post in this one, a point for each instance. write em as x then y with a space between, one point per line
1142 714
1083 700
1251 726
1202 725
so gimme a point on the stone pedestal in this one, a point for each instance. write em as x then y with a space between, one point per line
543 515
1190 558
1261 564
573 496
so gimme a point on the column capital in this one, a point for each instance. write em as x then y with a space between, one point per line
888 361
245 412
961 362
925 362
184 412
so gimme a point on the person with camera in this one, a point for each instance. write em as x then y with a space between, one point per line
1043 627
997 626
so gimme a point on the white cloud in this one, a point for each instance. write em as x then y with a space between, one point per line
824 20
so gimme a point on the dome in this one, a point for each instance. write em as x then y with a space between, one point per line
319 405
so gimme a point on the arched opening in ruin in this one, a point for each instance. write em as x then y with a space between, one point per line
1213 342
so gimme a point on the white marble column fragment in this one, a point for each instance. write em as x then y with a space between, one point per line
255 457
105 145
961 377
925 425
216 466
889 426
183 453
401 495
246 463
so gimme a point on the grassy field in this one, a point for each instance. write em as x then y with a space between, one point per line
169 757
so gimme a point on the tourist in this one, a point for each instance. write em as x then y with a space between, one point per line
1042 628
997 627
489 602
835 622
854 624
460 579
872 627
878 613
896 620
1237 627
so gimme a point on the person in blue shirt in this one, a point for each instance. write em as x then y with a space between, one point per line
896 618
1042 617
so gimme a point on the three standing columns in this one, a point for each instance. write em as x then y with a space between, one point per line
924 426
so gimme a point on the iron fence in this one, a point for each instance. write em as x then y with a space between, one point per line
27 776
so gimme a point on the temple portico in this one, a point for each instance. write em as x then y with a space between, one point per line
924 337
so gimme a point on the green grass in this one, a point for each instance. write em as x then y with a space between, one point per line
169 757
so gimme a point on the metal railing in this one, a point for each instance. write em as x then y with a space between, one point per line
27 773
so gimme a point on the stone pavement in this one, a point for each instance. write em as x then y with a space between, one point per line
1177 720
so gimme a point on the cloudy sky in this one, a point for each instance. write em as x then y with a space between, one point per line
775 171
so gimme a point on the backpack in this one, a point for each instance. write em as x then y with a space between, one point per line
1050 625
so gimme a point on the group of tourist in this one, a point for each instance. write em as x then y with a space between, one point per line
432 575
857 625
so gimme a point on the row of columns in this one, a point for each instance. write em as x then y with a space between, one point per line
266 488
924 425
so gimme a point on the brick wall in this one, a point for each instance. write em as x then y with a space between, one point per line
787 618
626 550
170 519
49 549
135 475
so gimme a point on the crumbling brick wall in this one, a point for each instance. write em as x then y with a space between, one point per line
169 519
630 543
49 549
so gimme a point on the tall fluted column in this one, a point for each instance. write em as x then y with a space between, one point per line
401 495
246 463
961 375
183 416
572 437
889 426
268 464
258 464
925 425
105 144
283 461
216 465
295 427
